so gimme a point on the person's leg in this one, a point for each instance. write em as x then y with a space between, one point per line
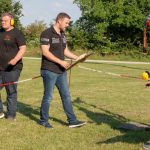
63 88
1 104
11 90
62 85
49 79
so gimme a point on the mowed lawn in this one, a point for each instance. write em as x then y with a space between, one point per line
104 101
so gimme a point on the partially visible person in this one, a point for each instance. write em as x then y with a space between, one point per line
53 70
146 145
12 49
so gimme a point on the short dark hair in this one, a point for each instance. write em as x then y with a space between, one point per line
62 15
7 14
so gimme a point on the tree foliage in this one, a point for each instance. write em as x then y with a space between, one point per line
108 24
33 31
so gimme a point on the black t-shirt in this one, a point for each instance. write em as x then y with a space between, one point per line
57 44
10 41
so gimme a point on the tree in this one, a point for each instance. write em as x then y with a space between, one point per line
75 37
111 23
14 8
33 31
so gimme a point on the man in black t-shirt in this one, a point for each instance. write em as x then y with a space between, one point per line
53 69
12 49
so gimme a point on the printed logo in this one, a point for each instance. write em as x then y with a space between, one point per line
44 40
55 40
7 38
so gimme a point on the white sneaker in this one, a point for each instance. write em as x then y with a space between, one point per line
2 115
77 123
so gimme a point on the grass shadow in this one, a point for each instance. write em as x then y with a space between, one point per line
104 116
58 121
113 120
28 111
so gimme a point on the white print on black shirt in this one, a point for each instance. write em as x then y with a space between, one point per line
44 40
55 40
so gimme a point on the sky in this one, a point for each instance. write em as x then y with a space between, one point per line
47 10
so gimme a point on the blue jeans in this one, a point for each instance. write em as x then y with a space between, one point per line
50 79
11 91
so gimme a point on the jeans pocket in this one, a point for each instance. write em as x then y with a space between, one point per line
43 73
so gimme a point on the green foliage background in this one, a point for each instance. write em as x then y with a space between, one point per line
105 26
110 25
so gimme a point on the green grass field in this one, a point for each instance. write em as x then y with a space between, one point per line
103 100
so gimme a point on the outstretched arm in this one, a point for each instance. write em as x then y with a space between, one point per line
69 54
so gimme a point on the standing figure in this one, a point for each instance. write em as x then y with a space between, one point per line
53 70
12 49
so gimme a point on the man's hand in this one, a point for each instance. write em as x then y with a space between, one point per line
81 57
65 64
12 62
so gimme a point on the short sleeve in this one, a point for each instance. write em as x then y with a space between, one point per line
45 38
20 39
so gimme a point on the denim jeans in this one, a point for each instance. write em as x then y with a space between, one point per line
50 79
11 91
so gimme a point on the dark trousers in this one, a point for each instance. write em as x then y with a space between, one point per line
11 91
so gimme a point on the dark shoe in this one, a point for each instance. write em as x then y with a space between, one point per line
2 115
146 146
12 118
77 123
46 125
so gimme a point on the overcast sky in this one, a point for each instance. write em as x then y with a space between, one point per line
47 10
